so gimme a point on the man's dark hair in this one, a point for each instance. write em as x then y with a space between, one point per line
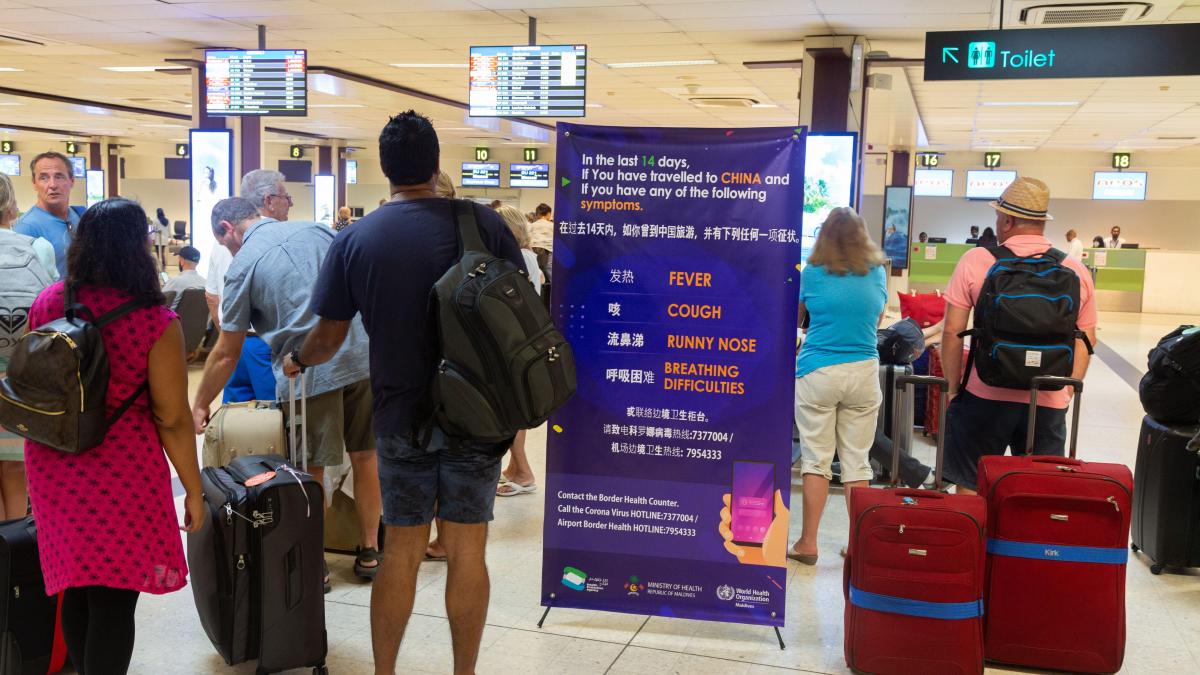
232 210
51 154
408 149
542 210
496 203
109 249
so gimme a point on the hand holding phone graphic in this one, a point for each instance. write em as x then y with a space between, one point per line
754 521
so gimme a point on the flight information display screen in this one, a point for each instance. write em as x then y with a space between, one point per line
264 82
528 81
529 175
480 174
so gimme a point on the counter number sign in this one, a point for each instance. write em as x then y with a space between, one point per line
929 160
7 147
1121 160
181 149
530 154
482 154
991 160
72 148
296 151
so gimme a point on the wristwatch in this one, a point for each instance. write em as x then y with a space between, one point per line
296 359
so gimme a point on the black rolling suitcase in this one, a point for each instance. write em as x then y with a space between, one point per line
31 642
1166 496
257 565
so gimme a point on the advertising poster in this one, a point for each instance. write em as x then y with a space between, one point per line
211 181
897 219
324 198
829 161
676 262
94 186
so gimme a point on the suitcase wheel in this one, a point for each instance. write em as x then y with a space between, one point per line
1133 547
320 670
1157 568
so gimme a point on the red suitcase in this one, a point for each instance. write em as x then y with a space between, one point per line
1058 536
933 395
913 578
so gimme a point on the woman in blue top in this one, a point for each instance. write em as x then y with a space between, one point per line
844 291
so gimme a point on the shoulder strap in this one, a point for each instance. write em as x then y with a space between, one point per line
119 312
999 252
468 227
1056 254
125 405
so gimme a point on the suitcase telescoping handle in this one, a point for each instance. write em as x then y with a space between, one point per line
902 382
1041 382
303 447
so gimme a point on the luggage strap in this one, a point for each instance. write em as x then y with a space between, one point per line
972 609
1057 553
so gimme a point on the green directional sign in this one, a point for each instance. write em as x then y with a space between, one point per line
1047 53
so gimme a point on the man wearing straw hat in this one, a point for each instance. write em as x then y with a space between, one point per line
986 420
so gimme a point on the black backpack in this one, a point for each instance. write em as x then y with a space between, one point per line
503 365
57 381
1170 389
900 343
1025 320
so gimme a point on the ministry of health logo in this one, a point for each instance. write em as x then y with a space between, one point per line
725 592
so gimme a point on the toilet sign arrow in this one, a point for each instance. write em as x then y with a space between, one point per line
948 53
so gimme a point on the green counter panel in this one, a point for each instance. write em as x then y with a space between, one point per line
1125 269
938 270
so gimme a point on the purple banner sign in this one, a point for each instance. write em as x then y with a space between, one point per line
676 273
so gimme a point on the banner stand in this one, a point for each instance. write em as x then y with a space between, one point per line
778 635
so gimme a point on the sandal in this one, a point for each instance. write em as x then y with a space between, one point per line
513 488
328 586
365 555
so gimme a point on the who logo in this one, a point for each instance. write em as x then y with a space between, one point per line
981 55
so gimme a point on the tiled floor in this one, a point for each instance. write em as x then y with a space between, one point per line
1163 611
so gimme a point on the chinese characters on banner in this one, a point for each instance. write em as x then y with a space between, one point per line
676 272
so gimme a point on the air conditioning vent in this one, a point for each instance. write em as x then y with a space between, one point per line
722 102
1085 14
12 38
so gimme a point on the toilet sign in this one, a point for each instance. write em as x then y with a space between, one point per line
1048 53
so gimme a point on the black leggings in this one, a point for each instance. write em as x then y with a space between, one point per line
98 627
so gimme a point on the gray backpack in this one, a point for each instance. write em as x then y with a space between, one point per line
22 278
504 366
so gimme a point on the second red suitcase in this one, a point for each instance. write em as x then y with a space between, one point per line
914 576
1058 534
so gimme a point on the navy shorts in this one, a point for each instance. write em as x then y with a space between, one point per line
977 426
458 485
252 379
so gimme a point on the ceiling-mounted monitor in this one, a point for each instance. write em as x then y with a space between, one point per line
10 164
988 184
528 81
259 82
1119 185
933 182
528 175
351 171
480 174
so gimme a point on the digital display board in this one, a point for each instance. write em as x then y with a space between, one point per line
351 171
528 81
933 182
10 164
78 167
480 174
211 181
1119 185
897 222
266 82
829 163
324 198
988 184
529 175
95 186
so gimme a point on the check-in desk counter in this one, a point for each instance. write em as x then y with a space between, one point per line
1120 276
1171 282
930 265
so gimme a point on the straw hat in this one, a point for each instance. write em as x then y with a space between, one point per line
1026 198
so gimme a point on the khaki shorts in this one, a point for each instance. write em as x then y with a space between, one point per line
836 410
338 421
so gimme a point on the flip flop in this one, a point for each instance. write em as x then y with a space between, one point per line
802 558
367 554
328 586
512 489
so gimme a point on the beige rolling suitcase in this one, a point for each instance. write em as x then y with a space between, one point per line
250 428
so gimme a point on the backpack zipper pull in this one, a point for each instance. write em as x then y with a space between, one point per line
553 354
241 563
1113 500
901 528
228 514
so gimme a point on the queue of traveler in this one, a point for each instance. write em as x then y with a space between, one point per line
349 308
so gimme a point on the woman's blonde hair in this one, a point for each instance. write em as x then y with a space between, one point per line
516 223
445 187
843 245
343 213
8 200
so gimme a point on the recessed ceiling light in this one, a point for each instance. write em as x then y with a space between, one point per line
141 69
663 64
1028 104
764 105
429 65
6 69
595 105
10 103
1011 131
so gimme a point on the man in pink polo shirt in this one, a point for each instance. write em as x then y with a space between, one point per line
986 420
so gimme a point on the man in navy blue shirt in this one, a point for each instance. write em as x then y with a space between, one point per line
385 268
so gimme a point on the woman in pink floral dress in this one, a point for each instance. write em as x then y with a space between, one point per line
106 519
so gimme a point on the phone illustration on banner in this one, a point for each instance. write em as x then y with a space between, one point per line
751 502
